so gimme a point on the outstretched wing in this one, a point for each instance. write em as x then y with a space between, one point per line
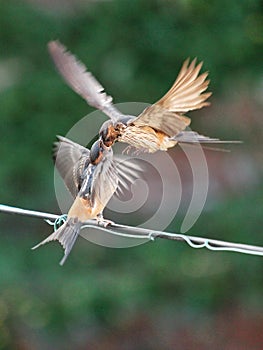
113 175
104 179
186 94
81 81
71 159
129 170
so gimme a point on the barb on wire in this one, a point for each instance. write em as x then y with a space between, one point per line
143 233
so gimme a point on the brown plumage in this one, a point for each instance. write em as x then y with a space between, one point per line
92 177
161 125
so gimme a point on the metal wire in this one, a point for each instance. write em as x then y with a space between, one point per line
142 233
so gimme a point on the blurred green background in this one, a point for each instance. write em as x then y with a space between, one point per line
161 295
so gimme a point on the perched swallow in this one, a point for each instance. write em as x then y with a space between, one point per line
161 125
92 177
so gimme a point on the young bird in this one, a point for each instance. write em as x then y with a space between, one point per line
161 125
92 177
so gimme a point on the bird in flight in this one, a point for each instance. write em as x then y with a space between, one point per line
92 177
161 125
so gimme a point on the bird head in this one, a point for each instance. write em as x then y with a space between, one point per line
110 131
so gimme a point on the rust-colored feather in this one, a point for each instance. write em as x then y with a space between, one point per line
187 91
186 94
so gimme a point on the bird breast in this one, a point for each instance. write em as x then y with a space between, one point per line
146 138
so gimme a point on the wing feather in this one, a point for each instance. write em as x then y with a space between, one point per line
81 81
194 137
186 94
104 180
129 170
110 174
71 160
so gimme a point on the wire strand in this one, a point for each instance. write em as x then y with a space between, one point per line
143 233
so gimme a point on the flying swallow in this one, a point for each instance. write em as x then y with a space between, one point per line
92 177
161 125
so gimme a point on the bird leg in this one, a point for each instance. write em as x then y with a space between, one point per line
103 222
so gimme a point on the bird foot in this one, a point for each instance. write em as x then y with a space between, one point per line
103 222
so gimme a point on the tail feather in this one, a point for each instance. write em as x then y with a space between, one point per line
66 235
194 137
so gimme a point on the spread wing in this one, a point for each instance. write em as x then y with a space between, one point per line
186 94
129 170
104 180
81 81
71 160
113 175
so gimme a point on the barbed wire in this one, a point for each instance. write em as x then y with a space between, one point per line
143 233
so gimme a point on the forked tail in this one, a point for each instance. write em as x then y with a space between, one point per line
194 137
66 235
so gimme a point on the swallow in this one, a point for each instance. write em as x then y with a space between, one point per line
161 125
92 177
